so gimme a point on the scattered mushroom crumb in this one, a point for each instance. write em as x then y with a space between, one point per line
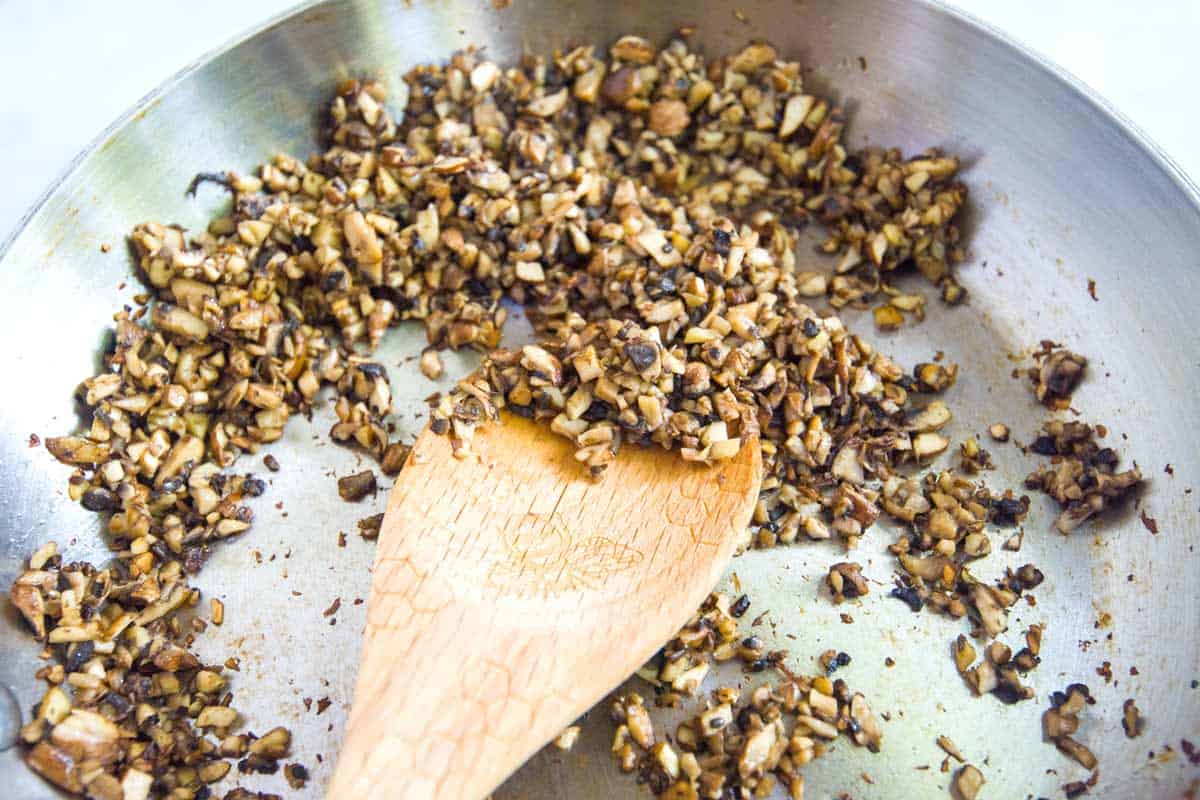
950 747
1056 376
368 527
431 364
967 782
1082 477
998 431
973 458
394 458
1132 720
888 317
845 580
566 740
1080 788
1061 721
833 660
296 775
355 487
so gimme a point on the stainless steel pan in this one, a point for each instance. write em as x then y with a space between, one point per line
1064 192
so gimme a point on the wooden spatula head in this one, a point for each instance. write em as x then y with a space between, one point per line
511 592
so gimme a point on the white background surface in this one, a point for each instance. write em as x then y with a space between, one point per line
71 67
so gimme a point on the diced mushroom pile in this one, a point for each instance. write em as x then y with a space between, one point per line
734 747
130 712
647 207
1082 476
1057 374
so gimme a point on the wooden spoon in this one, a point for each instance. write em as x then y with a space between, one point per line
511 593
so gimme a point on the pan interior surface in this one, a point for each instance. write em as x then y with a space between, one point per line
1062 195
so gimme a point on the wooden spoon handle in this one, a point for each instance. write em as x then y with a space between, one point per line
451 698
502 599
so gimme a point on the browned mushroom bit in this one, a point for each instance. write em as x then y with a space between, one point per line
394 457
357 486
967 782
368 527
735 746
844 580
1057 374
1061 721
1082 476
710 636
130 711
947 517
1132 720
973 459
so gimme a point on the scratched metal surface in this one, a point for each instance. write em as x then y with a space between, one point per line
1062 192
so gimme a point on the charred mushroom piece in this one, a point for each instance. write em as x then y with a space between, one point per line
845 580
1057 376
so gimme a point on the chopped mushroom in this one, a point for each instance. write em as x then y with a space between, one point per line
104 738
1056 377
1082 477
950 747
355 487
967 782
566 740
369 527
296 775
1132 720
394 458
1061 721
736 741
845 580
431 364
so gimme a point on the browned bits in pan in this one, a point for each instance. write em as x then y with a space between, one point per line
1057 374
1082 476
757 740
127 671
357 486
643 204
845 580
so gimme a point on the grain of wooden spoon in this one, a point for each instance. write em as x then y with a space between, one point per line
511 593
